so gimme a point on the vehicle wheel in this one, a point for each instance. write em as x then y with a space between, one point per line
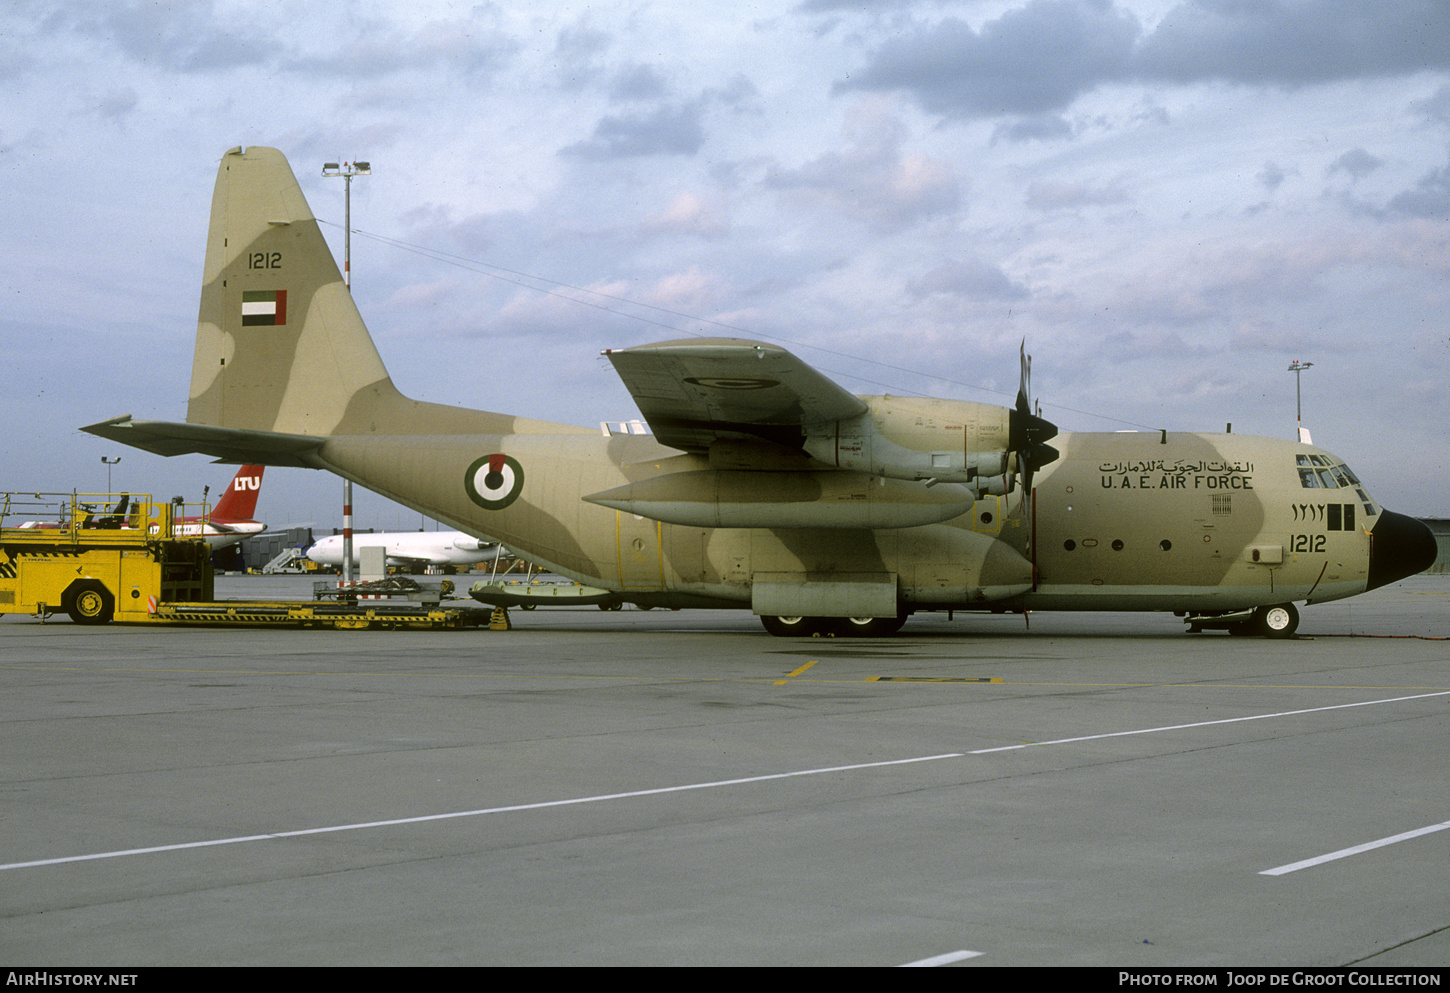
869 627
792 627
1278 621
89 602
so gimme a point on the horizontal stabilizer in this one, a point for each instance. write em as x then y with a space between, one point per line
232 445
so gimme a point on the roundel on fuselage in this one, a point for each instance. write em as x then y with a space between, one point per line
494 481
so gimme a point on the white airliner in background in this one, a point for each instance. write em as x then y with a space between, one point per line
230 521
409 549
233 517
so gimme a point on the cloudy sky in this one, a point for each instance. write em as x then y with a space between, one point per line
1170 200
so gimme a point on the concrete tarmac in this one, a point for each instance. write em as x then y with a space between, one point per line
679 788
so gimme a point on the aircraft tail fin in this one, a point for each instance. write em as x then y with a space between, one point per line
283 359
239 502
280 346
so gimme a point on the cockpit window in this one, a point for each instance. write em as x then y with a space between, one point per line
1369 508
1318 472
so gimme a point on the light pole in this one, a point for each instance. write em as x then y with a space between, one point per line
109 463
347 170
1296 367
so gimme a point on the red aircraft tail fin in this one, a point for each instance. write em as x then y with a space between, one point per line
239 502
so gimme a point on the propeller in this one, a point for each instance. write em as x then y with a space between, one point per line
1028 433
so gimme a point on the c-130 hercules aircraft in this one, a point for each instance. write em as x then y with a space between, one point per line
765 485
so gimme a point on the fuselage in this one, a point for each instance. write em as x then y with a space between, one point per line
403 548
217 534
1194 521
1122 521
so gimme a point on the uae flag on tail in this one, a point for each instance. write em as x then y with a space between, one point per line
264 307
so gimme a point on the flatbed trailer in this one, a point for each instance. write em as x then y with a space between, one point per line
318 614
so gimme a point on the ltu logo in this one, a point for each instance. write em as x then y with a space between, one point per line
247 483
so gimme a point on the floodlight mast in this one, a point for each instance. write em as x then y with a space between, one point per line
347 170
1296 367
109 463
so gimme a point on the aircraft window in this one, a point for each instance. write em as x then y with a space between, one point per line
1340 475
1117 544
1301 459
1165 544
1308 478
1350 473
1317 460
1327 479
1069 544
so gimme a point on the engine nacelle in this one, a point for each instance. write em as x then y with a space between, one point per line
920 438
999 485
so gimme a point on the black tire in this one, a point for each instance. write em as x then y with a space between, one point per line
869 627
1279 621
792 627
87 601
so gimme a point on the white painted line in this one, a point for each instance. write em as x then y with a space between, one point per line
945 959
472 813
715 785
1368 846
1201 724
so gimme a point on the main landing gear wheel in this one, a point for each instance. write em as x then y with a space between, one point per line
869 627
792 627
1278 621
851 627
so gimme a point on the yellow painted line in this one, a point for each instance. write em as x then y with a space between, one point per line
797 672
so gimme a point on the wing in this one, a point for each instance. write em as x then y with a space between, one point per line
697 391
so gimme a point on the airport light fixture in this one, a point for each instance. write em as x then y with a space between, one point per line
109 463
347 170
1297 367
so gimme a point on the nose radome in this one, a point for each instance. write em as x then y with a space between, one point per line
1400 546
